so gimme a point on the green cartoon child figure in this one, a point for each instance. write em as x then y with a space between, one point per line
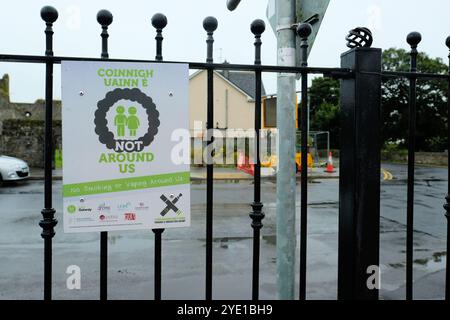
132 121
120 121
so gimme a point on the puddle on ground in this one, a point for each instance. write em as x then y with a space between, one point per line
325 205
396 265
216 181
233 205
229 239
422 262
11 191
112 239
417 250
224 241
29 219
231 181
434 180
271 240
431 264
435 263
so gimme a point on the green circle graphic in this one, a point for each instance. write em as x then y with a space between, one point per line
71 208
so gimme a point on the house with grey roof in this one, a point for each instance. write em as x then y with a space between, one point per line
234 100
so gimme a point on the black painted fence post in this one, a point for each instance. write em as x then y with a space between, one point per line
359 176
257 28
49 15
413 40
210 25
304 31
159 22
447 198
104 18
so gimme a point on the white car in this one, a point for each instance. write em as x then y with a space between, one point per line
13 169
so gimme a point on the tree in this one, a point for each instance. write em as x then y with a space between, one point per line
324 108
431 128
431 103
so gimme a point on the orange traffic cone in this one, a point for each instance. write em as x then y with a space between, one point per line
241 161
330 167
244 164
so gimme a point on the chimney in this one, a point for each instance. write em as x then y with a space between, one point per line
226 72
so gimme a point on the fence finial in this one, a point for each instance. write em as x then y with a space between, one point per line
210 25
159 22
414 39
49 14
104 18
304 30
257 28
359 37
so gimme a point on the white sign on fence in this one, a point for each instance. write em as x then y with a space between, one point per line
117 122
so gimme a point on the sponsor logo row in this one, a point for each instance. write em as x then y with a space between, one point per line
103 211
127 206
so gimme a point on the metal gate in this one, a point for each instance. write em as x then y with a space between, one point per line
359 184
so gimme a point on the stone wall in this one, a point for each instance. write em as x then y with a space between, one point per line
23 111
24 139
4 87
22 127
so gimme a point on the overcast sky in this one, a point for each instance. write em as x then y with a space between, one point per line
132 36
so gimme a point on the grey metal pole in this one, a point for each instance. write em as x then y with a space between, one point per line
286 237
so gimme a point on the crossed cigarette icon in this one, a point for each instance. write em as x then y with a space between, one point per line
170 205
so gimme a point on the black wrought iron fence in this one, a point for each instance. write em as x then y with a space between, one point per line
359 214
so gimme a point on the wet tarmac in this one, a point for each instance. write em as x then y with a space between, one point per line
131 253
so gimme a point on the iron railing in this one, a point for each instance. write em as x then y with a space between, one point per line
159 21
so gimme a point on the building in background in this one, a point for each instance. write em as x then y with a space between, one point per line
234 104
22 127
